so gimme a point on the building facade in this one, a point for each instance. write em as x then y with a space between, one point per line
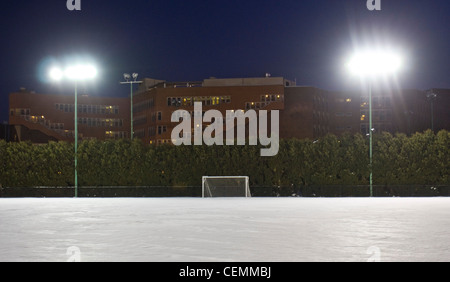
41 118
157 100
304 112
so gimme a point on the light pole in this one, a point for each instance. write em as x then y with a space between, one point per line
369 65
75 73
431 96
127 77
370 141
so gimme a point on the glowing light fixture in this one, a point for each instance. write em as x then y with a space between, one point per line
375 62
56 73
75 72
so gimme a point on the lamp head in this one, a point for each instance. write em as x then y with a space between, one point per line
75 72
374 63
56 74
80 72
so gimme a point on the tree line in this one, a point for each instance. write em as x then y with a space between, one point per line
422 158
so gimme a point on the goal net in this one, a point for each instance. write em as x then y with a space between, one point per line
225 186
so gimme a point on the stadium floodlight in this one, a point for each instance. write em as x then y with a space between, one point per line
374 63
77 72
127 77
370 64
56 74
80 72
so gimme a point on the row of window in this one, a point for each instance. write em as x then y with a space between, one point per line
144 105
205 100
377 115
20 112
377 102
178 115
255 105
162 141
25 113
271 97
152 131
101 122
140 120
116 134
56 126
88 109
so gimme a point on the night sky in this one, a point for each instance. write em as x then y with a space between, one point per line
303 40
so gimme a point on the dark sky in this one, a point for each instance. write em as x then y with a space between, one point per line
306 40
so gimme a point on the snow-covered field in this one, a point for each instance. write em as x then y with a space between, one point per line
225 229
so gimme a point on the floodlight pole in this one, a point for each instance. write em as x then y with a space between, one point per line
432 117
373 63
127 77
370 141
431 97
75 73
76 140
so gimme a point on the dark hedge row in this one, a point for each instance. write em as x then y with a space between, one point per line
422 158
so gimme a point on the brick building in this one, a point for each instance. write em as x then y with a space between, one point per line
157 100
305 112
41 118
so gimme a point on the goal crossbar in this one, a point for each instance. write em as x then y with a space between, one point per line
225 186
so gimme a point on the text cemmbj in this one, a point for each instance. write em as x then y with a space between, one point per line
228 271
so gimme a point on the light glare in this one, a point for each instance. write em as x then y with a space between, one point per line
374 63
80 72
56 73
77 72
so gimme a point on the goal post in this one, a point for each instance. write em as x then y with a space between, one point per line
225 186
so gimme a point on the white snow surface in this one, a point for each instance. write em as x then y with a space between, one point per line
225 229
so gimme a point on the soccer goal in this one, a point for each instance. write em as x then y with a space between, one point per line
225 186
